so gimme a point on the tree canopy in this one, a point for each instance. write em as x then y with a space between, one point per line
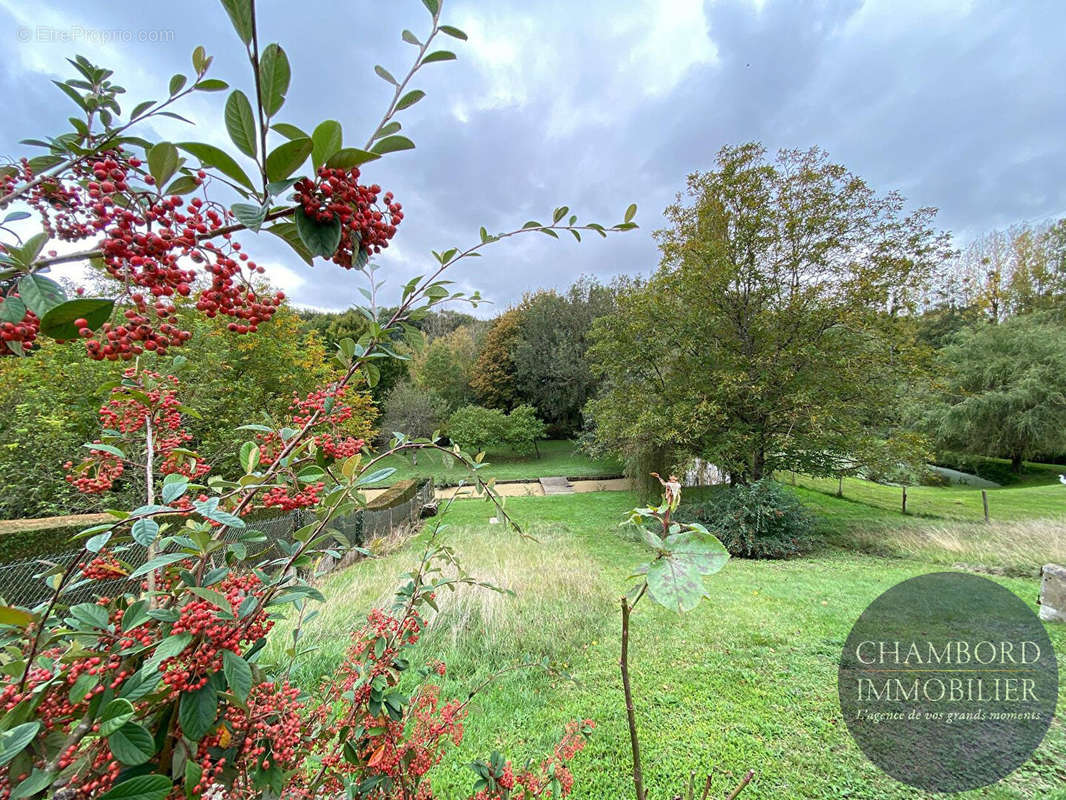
770 337
1002 390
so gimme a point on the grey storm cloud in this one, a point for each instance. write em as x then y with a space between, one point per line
596 105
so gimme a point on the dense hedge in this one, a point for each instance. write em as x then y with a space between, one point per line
20 539
20 543
397 494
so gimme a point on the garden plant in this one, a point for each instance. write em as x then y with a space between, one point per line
160 691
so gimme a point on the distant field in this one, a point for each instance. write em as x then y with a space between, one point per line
557 457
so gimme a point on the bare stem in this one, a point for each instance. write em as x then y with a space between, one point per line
631 716
740 786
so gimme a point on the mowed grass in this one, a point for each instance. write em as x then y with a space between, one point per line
748 680
1027 500
557 457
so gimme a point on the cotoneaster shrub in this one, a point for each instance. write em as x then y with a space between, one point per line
162 692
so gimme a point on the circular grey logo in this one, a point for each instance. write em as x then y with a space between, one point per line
948 682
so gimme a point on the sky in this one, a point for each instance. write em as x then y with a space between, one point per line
958 105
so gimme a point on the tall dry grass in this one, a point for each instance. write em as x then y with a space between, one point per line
555 603
1014 548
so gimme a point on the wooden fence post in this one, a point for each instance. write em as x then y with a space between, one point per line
984 502
840 485
904 499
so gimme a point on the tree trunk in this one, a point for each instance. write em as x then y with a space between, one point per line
1016 464
758 465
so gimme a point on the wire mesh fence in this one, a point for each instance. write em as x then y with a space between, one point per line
22 583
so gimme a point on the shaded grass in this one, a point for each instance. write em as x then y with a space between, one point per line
557 457
746 680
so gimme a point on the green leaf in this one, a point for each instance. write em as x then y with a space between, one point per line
240 123
286 158
211 156
177 83
630 213
58 321
183 184
698 550
197 711
433 6
115 714
391 144
37 780
142 787
131 744
163 162
274 77
453 31
106 448
348 157
673 585
384 74
286 231
674 579
173 489
156 563
326 141
289 131
238 674
15 616
40 293
210 85
410 99
15 740
145 531
73 94
240 14
210 510
30 250
96 543
12 310
250 216
320 238
439 55
249 456
410 38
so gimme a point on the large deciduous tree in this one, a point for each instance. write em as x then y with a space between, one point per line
493 379
551 369
771 335
1003 390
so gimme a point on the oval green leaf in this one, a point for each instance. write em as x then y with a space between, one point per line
320 238
286 158
240 123
58 321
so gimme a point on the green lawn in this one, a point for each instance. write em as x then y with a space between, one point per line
748 680
557 457
1039 495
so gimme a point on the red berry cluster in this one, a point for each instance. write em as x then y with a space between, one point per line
336 194
146 234
289 498
214 632
23 332
268 733
506 784
104 567
145 396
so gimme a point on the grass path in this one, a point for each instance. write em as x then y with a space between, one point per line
747 680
